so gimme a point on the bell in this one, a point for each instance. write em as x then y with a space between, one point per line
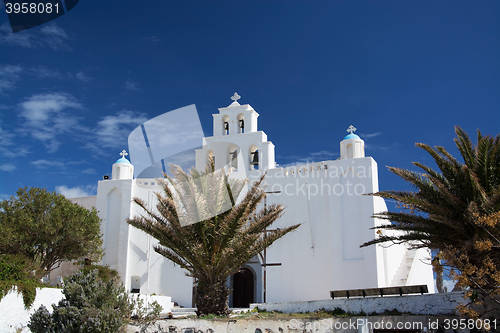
242 123
234 155
255 159
234 159
226 126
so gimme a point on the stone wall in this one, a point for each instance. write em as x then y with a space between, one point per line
302 325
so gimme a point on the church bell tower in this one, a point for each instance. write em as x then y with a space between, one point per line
236 142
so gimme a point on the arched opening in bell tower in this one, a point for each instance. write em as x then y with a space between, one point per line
254 157
233 156
225 125
241 123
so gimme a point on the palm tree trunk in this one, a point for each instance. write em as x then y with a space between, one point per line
439 282
211 298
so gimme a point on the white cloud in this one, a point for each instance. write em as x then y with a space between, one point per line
7 167
23 39
7 146
14 152
59 164
132 86
9 75
113 131
76 192
43 164
51 116
81 76
4 196
43 72
48 35
5 138
370 135
377 147
152 39
45 119
89 171
324 153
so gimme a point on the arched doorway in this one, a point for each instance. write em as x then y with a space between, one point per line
243 288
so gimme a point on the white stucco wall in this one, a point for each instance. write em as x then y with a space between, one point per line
326 198
14 316
86 202
323 254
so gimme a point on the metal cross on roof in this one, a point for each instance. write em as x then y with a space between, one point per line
351 129
235 97
123 153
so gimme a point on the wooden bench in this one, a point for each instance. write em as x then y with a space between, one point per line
387 291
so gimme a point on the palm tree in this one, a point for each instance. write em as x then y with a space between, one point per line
454 211
201 227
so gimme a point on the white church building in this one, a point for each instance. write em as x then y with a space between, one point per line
322 255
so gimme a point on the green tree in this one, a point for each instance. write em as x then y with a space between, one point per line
222 241
48 229
454 212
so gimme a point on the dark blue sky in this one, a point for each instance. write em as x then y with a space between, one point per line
399 71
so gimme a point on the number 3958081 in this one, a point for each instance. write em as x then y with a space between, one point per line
33 8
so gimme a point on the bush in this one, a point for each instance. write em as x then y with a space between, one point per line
90 305
18 271
103 272
144 314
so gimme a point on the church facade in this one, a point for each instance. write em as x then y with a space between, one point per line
326 198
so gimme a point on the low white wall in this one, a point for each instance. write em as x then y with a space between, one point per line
14 316
429 304
164 301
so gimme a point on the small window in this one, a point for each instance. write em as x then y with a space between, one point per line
152 183
350 152
146 183
135 284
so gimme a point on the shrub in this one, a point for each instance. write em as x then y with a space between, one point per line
90 305
18 271
144 314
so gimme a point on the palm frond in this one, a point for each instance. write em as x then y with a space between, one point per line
201 226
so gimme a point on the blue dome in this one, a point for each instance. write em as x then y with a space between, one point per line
351 136
123 160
